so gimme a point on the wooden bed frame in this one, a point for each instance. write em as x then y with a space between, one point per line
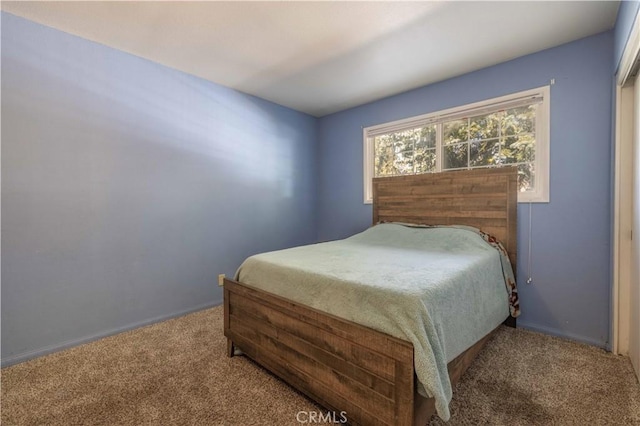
347 367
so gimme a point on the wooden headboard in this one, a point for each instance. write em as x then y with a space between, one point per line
483 198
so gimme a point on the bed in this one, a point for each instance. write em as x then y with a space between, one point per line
348 367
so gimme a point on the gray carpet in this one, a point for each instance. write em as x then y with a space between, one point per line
176 372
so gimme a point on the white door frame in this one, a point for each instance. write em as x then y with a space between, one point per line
622 221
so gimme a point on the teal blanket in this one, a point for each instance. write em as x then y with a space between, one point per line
440 288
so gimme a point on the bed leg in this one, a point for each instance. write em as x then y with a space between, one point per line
510 322
230 348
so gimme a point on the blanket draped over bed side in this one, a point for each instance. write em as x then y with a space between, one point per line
440 288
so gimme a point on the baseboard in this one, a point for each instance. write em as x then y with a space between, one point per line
564 335
25 356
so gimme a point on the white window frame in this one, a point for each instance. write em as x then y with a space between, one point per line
542 128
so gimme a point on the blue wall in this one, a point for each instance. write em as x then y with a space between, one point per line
571 234
127 187
624 21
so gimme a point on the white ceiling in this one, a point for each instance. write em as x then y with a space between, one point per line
323 57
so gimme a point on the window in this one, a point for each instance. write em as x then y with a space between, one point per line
505 131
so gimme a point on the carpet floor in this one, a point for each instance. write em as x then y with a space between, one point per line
176 372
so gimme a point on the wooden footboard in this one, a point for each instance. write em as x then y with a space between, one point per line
343 366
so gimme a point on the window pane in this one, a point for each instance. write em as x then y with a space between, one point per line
519 120
384 156
485 126
519 149
393 154
455 131
484 153
404 157
405 152
455 156
425 160
427 137
526 177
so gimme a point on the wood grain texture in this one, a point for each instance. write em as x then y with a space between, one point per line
227 300
338 363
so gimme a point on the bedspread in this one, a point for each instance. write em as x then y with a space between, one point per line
440 288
